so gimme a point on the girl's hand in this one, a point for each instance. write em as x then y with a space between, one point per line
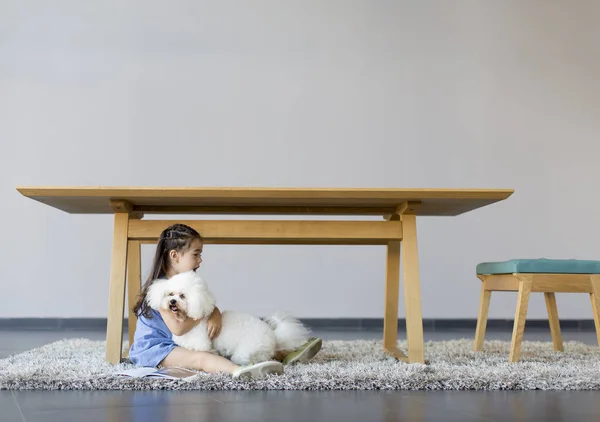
213 324
180 316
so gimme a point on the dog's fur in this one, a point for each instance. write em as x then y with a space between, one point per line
243 338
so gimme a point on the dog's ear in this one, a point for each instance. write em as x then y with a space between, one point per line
156 293
201 301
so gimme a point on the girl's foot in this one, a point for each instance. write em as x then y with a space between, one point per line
259 370
305 352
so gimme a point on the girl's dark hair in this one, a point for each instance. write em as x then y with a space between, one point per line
178 237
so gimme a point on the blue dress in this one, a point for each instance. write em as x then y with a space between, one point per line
152 341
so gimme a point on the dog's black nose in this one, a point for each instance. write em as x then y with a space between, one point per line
172 301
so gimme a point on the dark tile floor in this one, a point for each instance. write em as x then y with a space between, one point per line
227 406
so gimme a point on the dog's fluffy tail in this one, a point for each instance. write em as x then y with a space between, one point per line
290 333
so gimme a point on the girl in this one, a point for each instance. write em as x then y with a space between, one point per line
179 249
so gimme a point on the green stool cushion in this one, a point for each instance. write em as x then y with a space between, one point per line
557 266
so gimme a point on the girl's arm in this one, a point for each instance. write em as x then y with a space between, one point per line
176 326
179 328
213 323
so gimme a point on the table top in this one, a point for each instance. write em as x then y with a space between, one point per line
249 200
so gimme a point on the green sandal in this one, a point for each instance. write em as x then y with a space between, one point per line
304 353
259 370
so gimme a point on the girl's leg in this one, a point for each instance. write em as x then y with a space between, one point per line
209 362
202 361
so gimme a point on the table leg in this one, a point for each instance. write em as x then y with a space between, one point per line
390 319
116 295
134 282
412 290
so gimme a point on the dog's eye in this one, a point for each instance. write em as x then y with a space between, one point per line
171 294
182 296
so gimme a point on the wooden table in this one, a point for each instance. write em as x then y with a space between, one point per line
399 207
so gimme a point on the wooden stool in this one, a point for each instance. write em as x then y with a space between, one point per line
536 275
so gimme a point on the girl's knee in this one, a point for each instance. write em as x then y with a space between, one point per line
200 359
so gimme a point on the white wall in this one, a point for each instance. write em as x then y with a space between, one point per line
301 93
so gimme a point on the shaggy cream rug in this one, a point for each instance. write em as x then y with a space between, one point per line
78 364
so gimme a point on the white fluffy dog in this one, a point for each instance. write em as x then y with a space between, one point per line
244 338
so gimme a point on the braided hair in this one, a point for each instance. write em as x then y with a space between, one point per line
177 237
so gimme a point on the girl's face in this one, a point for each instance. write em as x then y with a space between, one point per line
188 260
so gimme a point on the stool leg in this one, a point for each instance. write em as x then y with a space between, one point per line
553 321
484 307
595 297
525 282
